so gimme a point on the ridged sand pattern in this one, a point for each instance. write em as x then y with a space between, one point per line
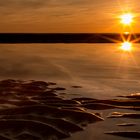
31 110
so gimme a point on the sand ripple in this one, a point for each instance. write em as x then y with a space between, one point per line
32 110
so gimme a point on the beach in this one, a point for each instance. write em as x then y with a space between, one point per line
93 80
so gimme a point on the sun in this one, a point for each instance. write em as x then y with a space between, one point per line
127 18
126 46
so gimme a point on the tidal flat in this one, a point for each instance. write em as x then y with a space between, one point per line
72 91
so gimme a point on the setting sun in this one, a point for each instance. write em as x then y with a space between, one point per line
127 18
126 46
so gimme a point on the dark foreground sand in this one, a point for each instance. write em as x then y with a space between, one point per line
34 110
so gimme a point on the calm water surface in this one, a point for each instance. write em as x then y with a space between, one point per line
103 70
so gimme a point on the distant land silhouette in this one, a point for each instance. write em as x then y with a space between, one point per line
66 37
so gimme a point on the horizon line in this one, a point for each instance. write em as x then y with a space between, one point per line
68 37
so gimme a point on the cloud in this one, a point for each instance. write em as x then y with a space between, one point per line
22 3
62 4
25 4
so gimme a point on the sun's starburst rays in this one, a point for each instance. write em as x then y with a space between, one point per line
136 40
111 39
126 48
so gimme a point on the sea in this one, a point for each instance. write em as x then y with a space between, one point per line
100 70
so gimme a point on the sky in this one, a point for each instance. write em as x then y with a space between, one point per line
67 16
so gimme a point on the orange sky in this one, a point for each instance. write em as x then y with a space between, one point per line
63 16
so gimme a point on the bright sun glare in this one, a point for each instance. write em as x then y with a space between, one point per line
126 46
127 18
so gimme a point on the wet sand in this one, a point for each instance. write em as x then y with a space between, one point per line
35 110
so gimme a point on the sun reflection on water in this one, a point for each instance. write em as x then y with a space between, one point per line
128 56
126 46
